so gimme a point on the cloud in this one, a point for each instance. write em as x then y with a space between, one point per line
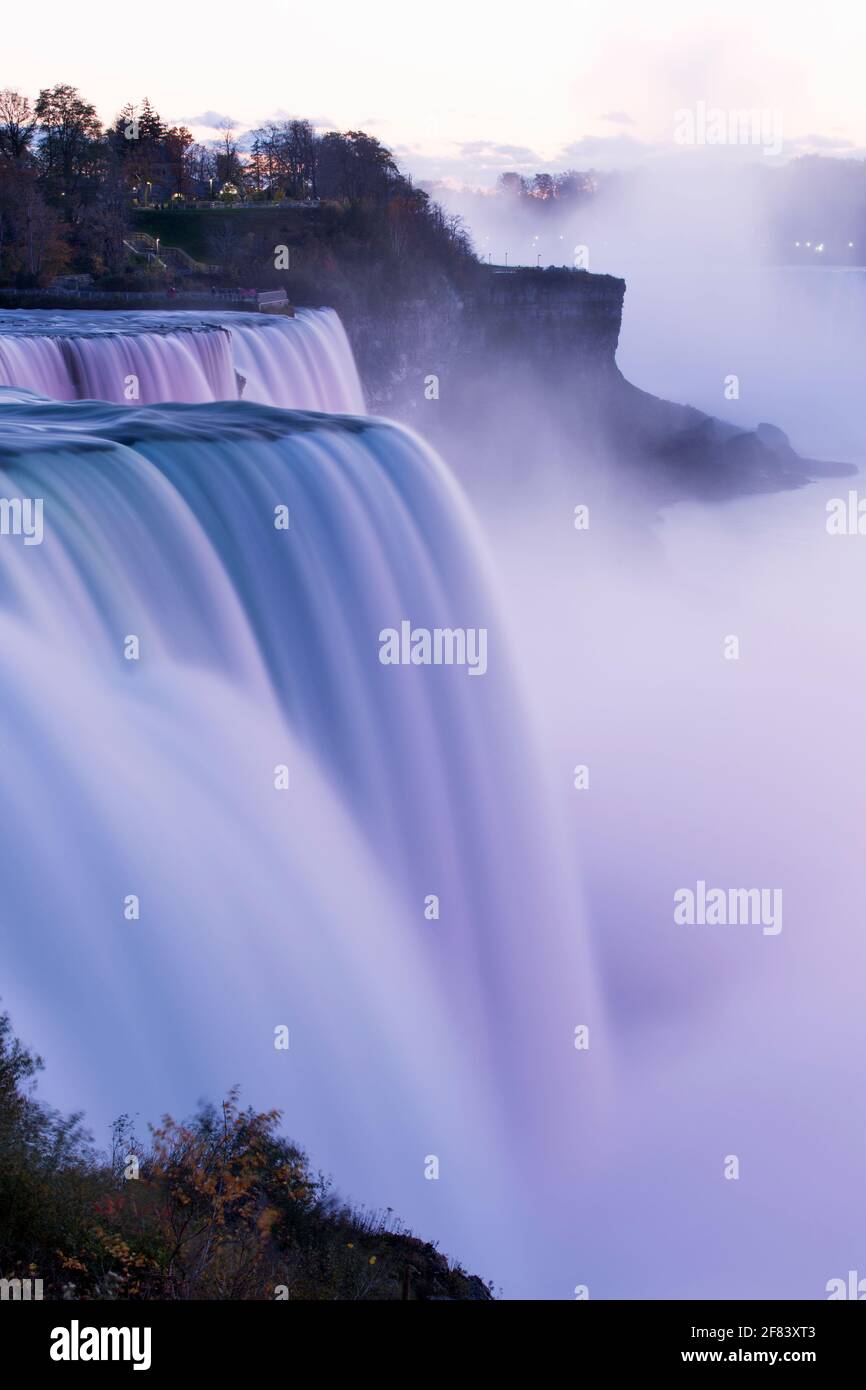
607 150
478 163
498 153
212 120
280 115
806 143
619 118
474 163
450 184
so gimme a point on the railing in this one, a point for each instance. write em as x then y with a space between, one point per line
219 296
143 245
195 205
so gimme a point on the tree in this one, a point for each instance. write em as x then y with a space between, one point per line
355 166
17 124
179 149
542 187
45 1164
225 1182
32 246
302 158
229 168
69 149
512 184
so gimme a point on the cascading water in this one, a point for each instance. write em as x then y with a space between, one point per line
259 648
300 363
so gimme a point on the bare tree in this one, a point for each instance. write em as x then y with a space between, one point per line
17 124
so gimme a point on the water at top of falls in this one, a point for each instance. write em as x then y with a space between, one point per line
303 362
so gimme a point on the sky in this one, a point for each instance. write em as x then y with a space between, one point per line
463 91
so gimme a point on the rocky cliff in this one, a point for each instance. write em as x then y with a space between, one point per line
478 369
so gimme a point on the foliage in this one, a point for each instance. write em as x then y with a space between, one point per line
70 190
221 1206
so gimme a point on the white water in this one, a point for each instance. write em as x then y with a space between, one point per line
259 647
453 1038
146 357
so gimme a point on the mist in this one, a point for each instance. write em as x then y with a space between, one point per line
671 706
711 291
699 666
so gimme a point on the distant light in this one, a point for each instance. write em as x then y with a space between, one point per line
820 248
850 243
796 243
808 243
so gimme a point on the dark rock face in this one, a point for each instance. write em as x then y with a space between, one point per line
516 349
552 314
684 453
562 321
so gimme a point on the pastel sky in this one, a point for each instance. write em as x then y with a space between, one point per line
462 90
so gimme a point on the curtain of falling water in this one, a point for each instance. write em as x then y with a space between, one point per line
302 363
260 647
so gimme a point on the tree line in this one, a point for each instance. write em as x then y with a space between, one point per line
69 185
567 187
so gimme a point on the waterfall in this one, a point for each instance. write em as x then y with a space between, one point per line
147 357
259 648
